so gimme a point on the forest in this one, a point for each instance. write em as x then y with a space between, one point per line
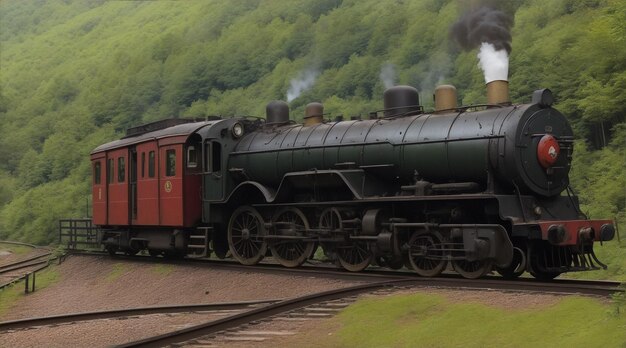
76 74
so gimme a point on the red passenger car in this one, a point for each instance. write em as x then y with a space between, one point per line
146 182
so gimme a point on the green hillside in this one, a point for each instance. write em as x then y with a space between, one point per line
74 75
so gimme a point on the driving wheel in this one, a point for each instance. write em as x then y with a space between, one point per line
246 236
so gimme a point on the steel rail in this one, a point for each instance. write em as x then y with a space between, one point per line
3 267
41 265
260 313
116 313
18 267
560 286
20 243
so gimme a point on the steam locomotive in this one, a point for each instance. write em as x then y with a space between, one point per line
478 188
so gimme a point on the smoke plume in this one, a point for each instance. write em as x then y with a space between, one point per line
494 63
388 75
301 83
490 31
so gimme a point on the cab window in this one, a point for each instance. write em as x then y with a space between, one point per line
217 157
192 157
213 157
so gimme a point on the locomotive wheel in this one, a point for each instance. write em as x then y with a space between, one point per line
245 236
472 269
517 266
354 257
331 220
423 256
538 261
544 275
291 253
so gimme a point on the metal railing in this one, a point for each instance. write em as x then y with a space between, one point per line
78 232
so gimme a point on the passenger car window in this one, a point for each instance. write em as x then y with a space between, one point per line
110 171
143 164
96 173
151 164
121 169
170 162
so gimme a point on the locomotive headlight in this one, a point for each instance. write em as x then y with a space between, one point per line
237 130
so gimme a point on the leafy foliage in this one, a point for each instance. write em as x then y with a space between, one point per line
76 74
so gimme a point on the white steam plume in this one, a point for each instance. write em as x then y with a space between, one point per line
494 63
388 75
301 83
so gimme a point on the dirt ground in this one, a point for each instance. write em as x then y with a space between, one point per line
99 283
89 283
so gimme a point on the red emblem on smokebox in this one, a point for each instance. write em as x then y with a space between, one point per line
548 151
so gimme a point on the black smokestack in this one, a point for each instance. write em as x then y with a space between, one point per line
484 24
490 30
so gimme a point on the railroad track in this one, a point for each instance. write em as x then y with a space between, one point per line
23 266
557 286
128 312
322 305
240 323
206 331
20 243
31 261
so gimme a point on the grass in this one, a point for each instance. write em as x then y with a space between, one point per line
118 270
422 320
11 294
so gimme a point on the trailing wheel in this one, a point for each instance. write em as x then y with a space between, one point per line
355 256
246 236
517 266
291 222
472 269
425 254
